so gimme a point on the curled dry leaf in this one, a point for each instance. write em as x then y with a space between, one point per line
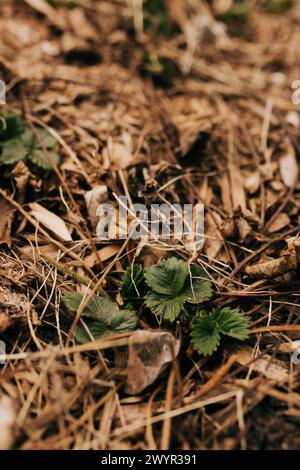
149 353
93 199
292 118
14 307
118 155
289 167
7 421
252 182
104 254
31 252
272 369
288 261
50 221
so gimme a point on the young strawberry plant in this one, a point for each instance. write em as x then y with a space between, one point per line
171 289
18 142
173 284
207 328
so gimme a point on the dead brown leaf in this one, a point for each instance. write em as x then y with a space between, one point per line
93 199
289 167
288 261
51 221
272 369
149 353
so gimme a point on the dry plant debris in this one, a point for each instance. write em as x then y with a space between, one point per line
148 354
171 102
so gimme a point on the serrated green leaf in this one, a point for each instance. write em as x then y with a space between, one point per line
72 300
101 316
231 322
88 330
12 151
28 139
13 127
226 321
45 138
172 284
98 308
41 138
198 287
125 320
205 335
39 158
167 277
18 142
165 305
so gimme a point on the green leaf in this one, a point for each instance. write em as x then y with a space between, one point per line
198 287
101 316
172 284
36 148
18 142
11 127
169 307
88 330
125 320
28 139
101 308
72 300
168 276
97 308
231 322
39 158
42 139
205 335
133 285
37 144
207 328
45 138
12 151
